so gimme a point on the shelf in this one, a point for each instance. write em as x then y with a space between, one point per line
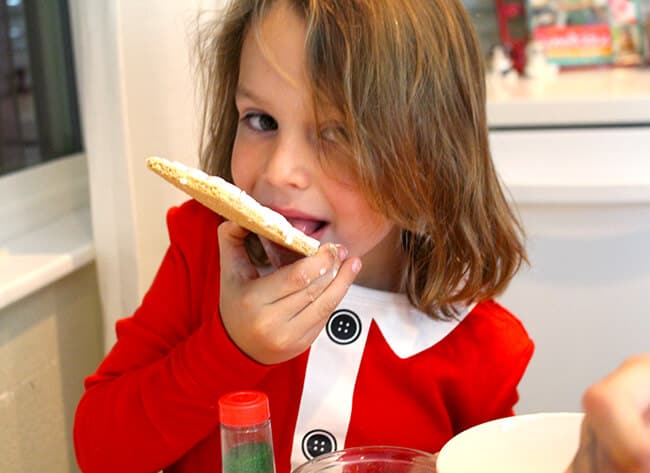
596 98
44 255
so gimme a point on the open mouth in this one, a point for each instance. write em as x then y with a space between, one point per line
309 227
280 256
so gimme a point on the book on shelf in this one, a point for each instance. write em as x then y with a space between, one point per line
588 32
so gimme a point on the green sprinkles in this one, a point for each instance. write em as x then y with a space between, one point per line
249 458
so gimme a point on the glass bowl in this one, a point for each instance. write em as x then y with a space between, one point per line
372 459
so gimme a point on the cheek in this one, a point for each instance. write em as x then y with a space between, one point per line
356 217
240 167
375 228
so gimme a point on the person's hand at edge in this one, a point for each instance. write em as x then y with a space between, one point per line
615 435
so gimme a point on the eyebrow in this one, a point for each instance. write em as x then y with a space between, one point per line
246 93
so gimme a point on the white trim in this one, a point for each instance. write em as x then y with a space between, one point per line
46 232
35 196
38 258
333 366
575 166
580 194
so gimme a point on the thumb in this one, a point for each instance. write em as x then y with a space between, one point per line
232 252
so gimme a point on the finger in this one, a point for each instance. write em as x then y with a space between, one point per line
307 280
315 315
233 256
585 459
618 406
307 274
303 324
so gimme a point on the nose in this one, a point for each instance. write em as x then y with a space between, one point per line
290 163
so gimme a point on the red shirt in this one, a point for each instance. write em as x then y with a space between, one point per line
152 404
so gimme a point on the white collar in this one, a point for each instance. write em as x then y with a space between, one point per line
407 330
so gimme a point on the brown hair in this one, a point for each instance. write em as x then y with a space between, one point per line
407 77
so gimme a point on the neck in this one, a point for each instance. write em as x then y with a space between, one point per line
384 273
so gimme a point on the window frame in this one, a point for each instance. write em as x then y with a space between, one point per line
35 196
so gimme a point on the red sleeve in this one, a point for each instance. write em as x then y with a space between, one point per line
500 352
155 394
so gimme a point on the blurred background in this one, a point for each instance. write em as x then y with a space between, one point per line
90 88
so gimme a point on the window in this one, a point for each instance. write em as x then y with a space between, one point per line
485 16
39 117
483 13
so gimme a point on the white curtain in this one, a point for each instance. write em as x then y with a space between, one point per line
137 96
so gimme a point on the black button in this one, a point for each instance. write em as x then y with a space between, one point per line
344 327
317 442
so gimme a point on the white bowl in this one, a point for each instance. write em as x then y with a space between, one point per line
531 443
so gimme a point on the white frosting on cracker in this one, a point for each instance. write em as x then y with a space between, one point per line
268 217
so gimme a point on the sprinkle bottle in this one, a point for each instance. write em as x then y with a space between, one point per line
246 441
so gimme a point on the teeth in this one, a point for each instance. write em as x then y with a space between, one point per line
302 228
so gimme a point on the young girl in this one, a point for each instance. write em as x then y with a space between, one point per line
363 122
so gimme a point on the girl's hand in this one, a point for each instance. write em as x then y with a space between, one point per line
278 316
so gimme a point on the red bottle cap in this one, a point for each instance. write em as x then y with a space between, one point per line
244 408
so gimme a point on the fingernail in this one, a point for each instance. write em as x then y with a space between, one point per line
356 266
342 251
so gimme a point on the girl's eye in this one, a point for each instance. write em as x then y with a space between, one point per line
261 122
334 134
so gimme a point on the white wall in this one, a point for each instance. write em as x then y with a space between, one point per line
49 342
585 299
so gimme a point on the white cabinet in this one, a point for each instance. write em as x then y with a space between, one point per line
575 156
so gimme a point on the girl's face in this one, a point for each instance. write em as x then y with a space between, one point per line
276 153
